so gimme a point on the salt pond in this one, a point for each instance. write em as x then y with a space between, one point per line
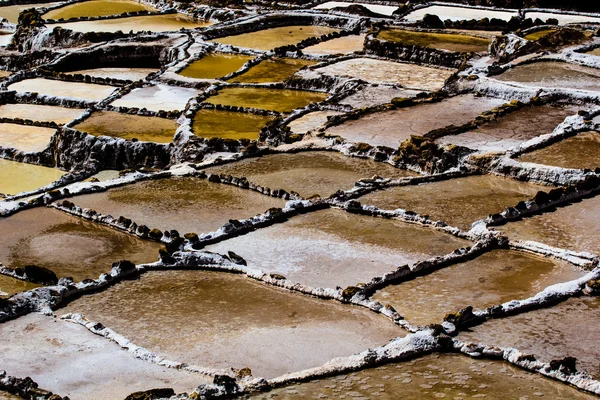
71 90
272 70
97 8
40 113
157 97
281 100
25 138
581 151
341 45
553 74
228 124
153 23
311 121
459 13
376 8
132 74
16 177
442 41
215 65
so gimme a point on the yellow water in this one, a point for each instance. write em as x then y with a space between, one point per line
215 65
41 113
25 137
18 177
554 74
154 23
281 100
97 8
273 70
442 41
580 152
228 125
10 286
76 90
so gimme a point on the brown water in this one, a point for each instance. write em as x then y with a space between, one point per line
281 100
11 13
228 124
185 204
442 41
568 329
272 70
490 279
311 121
268 39
67 245
512 130
341 45
75 90
389 72
554 75
436 376
390 128
8 396
41 113
223 320
458 202
25 137
215 65
10 286
132 74
573 227
157 97
580 152
126 126
332 248
309 173
154 23
97 8
16 177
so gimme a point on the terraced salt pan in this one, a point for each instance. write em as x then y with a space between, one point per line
184 204
40 113
459 13
67 245
331 248
132 74
341 45
490 279
67 359
154 23
127 126
16 177
554 75
272 70
224 320
563 19
309 173
573 227
11 13
567 329
580 152
74 90
376 8
157 97
280 100
442 41
311 121
512 130
228 124
26 138
390 128
271 38
458 202
215 65
97 8
436 376
389 72
10 286
373 95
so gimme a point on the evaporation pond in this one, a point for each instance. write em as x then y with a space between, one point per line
457 202
488 280
552 74
331 248
280 100
153 23
184 204
68 245
441 41
341 45
272 70
71 90
10 286
221 320
157 97
131 74
459 13
215 65
97 8
27 138
40 113
579 152
309 173
129 126
11 13
16 177
312 120
228 124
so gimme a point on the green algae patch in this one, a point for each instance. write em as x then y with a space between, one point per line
228 124
215 66
274 70
97 8
280 100
126 126
442 41
16 177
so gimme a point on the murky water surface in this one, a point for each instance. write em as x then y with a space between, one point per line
157 97
228 124
215 65
272 70
281 100
568 329
126 126
554 75
74 90
458 202
97 8
25 137
67 245
513 129
332 248
132 74
442 41
311 121
11 13
342 45
185 204
154 23
16 177
271 38
224 320
41 113
459 13
10 286
491 279
580 152
390 128
572 227
309 173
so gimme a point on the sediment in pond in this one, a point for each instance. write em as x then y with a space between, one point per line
157 97
215 65
280 100
441 41
16 177
71 90
228 124
552 74
153 23
25 138
272 70
580 152
40 113
96 8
